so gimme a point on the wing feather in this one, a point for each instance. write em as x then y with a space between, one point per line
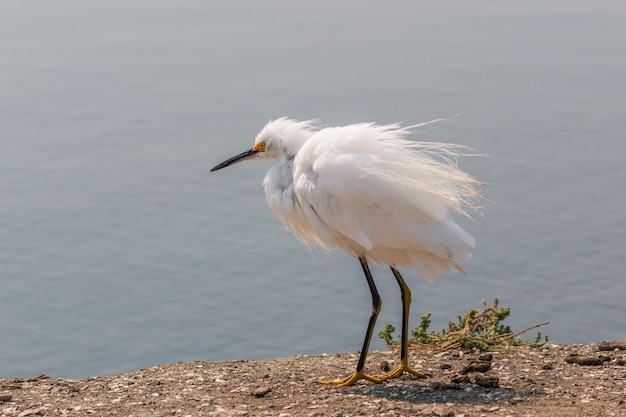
362 201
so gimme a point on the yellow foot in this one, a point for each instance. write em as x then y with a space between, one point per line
351 379
399 370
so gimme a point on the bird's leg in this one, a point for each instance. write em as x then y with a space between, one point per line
376 306
404 341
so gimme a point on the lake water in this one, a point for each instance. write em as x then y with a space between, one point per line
119 250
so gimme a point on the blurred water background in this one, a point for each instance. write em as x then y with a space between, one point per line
119 250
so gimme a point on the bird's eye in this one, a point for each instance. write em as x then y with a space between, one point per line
259 147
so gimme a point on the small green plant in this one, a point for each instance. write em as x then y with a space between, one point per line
387 334
421 333
475 330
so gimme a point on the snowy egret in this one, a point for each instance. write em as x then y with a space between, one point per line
370 191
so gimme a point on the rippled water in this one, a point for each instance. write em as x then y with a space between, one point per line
119 250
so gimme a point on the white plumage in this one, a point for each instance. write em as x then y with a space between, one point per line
370 191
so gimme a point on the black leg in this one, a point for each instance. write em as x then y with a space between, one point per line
406 305
404 342
376 306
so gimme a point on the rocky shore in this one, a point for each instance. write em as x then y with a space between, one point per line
554 380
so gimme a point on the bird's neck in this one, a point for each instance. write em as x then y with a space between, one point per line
292 145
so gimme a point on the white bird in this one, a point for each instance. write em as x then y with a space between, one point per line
370 191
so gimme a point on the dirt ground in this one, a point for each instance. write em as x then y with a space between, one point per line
555 380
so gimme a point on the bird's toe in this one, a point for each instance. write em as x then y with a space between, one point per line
351 379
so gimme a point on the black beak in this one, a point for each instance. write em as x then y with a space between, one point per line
241 157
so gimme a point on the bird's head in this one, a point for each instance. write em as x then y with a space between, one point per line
279 138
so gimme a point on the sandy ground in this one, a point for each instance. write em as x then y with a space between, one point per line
555 380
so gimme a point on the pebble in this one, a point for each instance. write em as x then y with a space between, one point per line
445 386
584 360
488 381
30 412
261 392
476 367
616 345
461 379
